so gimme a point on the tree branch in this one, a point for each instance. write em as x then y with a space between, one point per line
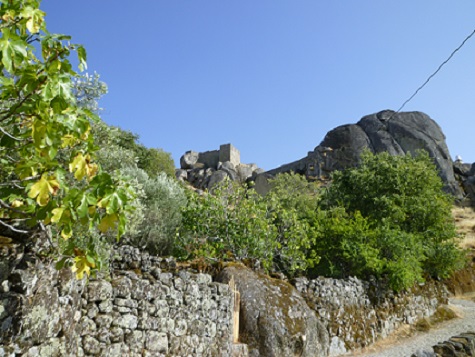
8 134
13 228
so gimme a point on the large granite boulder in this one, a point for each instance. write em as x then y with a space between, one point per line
396 133
465 174
274 318
189 160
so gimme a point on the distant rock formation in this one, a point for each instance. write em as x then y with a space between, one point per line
465 174
207 169
396 133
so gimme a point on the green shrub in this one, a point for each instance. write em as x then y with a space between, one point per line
231 223
235 223
292 203
389 218
158 215
155 161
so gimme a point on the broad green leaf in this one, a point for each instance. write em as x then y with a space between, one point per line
59 104
38 133
35 18
107 222
60 264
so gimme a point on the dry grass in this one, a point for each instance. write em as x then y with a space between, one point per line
465 223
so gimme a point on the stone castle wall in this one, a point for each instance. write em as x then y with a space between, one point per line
212 158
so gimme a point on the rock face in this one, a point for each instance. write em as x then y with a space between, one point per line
275 320
396 133
462 345
207 169
465 174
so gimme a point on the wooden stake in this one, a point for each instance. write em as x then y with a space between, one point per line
237 303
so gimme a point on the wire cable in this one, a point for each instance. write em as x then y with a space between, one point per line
437 71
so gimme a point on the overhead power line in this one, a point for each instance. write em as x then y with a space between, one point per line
437 71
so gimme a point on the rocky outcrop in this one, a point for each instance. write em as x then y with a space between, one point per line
274 318
465 174
396 133
457 346
206 170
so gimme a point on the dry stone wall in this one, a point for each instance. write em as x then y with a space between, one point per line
357 313
149 307
142 309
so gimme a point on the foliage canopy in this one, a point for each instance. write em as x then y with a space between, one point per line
47 171
388 217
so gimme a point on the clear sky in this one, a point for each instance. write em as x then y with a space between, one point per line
272 77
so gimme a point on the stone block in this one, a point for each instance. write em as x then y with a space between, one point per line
156 342
99 290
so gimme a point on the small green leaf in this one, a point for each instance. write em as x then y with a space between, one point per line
83 208
82 57
60 264
58 104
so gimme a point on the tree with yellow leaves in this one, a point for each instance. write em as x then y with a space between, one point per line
47 172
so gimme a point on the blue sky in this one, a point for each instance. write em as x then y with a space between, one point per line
272 77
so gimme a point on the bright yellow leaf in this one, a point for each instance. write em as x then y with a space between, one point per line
35 18
82 265
17 203
42 189
92 170
57 213
66 233
68 140
81 167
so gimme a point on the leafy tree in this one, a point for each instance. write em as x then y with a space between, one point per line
155 161
230 224
88 89
292 205
235 223
388 217
48 175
